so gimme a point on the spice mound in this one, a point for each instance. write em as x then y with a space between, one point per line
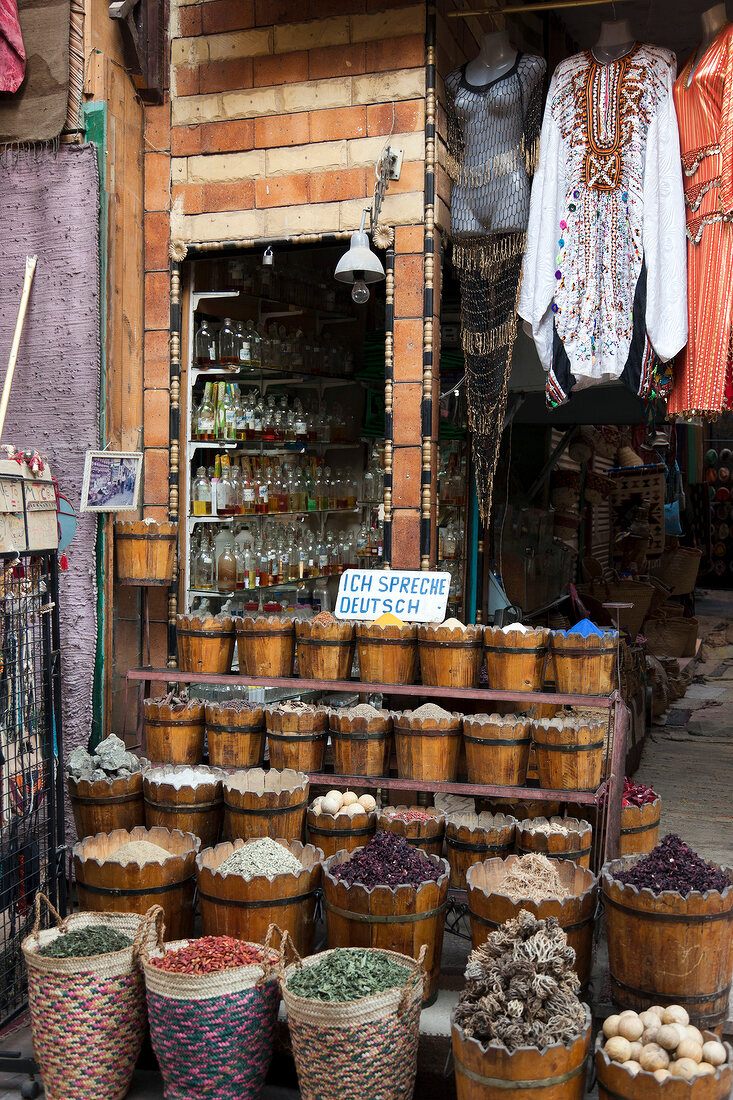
362 710
95 939
347 974
452 624
429 712
208 955
188 777
533 877
410 813
261 857
139 851
387 860
324 618
110 760
674 866
522 988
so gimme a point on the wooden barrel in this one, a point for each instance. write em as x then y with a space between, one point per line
471 838
205 643
399 918
332 832
640 828
450 657
426 835
265 803
490 1072
569 754
174 733
325 650
616 1083
387 654
193 809
104 805
574 845
497 748
234 906
145 550
489 907
235 734
584 666
665 949
427 748
265 645
104 886
361 746
515 660
519 808
297 738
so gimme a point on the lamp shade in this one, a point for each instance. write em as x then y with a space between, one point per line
361 259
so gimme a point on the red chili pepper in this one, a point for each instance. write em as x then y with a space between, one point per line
209 954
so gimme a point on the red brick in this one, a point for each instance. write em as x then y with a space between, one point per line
227 137
408 337
156 409
187 81
409 286
407 414
347 183
282 191
157 231
273 12
406 477
281 68
155 470
157 300
330 61
185 141
409 116
412 178
191 195
189 20
158 127
319 9
407 52
157 181
338 122
226 76
228 196
276 130
405 538
409 239
157 363
227 15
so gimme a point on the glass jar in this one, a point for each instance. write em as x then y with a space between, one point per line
205 347
205 427
228 349
243 346
204 567
201 494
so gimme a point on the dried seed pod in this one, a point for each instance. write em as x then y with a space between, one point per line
618 1049
636 1049
669 1036
683 1067
610 1026
631 1028
662 1074
714 1053
689 1048
676 1014
653 1057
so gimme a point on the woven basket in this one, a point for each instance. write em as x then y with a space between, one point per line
678 568
357 1050
87 1014
213 1033
672 636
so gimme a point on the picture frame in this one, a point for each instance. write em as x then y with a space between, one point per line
111 481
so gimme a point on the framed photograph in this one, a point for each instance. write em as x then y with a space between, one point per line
111 481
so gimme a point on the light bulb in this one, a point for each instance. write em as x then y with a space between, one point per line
360 292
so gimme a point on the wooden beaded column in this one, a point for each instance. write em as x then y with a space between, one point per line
430 330
388 403
174 426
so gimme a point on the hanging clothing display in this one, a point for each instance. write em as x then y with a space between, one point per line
704 101
604 286
493 133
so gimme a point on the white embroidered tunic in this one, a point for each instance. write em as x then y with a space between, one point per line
604 284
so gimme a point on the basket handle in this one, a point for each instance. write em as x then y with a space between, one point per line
269 967
286 943
418 971
152 922
61 922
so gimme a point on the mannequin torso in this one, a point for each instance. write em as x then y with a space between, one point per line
614 41
496 57
712 22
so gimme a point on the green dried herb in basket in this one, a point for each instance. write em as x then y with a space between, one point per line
95 939
347 974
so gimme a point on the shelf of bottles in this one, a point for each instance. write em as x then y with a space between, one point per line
452 518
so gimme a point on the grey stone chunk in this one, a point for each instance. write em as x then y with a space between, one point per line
97 774
80 760
123 773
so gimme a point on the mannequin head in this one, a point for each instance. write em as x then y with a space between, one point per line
712 21
615 40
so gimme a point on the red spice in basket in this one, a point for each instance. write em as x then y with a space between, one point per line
209 954
410 814
387 860
324 618
635 794
674 866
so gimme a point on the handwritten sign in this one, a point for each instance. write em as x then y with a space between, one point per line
410 594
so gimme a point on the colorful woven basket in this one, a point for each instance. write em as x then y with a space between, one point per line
213 1033
357 1050
87 1014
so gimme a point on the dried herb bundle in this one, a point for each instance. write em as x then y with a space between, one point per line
347 974
95 939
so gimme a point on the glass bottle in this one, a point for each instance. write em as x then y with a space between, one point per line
250 568
264 568
284 503
254 344
240 418
350 493
259 416
226 566
228 352
272 497
301 426
226 493
201 494
236 476
249 413
230 412
206 415
205 563
243 345
261 493
268 420
239 557
275 349
341 497
332 499
205 346
321 492
248 492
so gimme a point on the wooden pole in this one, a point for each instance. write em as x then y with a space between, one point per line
30 270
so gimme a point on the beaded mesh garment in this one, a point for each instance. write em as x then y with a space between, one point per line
493 139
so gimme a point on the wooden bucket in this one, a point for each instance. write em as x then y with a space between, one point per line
387 916
332 832
145 551
235 734
427 748
191 809
265 646
174 733
584 666
297 738
471 838
107 887
361 746
640 828
492 1073
245 908
616 1083
569 754
205 643
325 650
497 748
387 654
450 657
107 804
576 845
265 803
426 835
515 661
489 907
666 949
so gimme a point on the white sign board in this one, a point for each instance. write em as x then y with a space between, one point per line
412 595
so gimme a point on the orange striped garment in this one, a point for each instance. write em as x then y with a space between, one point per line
702 385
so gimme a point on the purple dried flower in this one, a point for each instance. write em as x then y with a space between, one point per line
674 866
387 860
